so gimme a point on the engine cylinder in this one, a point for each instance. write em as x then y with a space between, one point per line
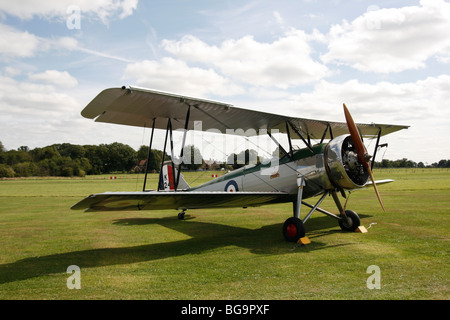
343 167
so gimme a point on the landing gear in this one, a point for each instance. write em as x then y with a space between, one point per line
293 229
349 222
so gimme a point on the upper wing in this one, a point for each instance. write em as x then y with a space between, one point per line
138 107
154 200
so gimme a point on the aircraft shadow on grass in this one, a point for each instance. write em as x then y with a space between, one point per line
204 236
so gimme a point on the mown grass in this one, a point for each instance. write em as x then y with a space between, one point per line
222 254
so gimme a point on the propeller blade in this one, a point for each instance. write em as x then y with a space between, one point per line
361 150
356 137
376 188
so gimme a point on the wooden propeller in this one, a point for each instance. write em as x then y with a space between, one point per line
363 156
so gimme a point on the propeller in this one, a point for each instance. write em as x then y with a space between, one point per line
363 156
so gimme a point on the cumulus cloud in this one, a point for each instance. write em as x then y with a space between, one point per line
392 40
35 113
284 63
58 78
22 44
400 103
15 43
34 100
419 104
103 9
170 74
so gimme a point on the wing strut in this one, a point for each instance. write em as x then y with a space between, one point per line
182 147
149 153
279 145
375 151
171 150
160 183
325 133
307 143
291 150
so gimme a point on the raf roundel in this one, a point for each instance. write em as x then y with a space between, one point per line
231 186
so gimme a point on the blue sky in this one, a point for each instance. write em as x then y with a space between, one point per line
389 61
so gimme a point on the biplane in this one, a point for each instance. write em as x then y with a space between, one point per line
333 161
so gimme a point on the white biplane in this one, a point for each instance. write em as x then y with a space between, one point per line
338 163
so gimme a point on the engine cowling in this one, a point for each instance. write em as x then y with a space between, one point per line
342 165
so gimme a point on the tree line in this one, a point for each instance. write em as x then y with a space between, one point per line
69 160
75 160
405 163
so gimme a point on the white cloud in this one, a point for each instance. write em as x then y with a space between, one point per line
36 114
392 40
127 6
14 43
284 63
175 75
103 9
399 103
33 100
278 17
12 72
22 44
419 104
58 78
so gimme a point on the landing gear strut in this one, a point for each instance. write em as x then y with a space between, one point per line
294 229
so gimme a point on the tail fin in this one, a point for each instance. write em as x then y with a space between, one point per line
168 179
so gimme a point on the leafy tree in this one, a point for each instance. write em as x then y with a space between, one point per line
49 152
70 150
13 157
96 156
192 158
6 171
25 169
120 158
443 164
248 156
154 164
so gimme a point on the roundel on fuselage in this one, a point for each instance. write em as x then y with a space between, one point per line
231 186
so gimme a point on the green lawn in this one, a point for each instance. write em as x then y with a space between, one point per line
222 254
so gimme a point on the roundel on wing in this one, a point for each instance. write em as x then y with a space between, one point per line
231 186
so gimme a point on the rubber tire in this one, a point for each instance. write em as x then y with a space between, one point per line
355 221
181 216
293 229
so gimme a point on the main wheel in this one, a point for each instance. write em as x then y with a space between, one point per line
181 215
293 229
351 222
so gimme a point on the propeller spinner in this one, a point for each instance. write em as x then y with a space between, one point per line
363 156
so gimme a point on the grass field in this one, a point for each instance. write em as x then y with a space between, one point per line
222 254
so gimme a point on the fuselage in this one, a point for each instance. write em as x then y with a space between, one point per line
327 166
278 175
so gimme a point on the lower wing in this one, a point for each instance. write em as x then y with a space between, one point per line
379 182
154 200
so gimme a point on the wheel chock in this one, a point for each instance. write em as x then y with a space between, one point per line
304 241
361 229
